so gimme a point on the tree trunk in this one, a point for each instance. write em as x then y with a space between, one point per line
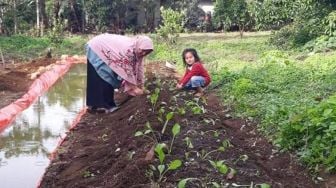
57 7
1 19
15 17
38 17
74 20
44 18
241 30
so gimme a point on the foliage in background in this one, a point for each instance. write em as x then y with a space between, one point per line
232 13
21 47
270 14
308 23
172 25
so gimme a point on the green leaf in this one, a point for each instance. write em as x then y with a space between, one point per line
148 131
175 164
169 116
182 183
176 129
221 148
161 168
223 169
327 112
159 150
215 184
138 133
265 185
213 164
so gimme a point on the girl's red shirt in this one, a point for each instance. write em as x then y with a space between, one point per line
197 69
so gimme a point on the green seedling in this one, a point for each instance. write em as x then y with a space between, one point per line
241 158
220 149
175 130
182 183
104 137
172 166
161 112
219 166
169 116
188 142
159 151
196 108
148 130
162 168
88 174
181 111
263 185
215 185
154 98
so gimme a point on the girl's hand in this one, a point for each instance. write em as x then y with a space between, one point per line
179 86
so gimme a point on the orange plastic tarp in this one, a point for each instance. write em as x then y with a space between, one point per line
39 86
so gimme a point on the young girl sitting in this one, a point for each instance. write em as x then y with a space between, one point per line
196 76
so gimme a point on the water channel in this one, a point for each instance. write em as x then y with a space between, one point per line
27 143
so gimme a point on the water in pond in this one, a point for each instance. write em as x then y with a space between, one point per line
26 144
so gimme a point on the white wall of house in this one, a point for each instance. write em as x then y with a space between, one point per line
207 6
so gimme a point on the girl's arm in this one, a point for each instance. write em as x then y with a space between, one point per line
195 71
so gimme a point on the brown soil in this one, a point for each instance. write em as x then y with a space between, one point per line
15 80
102 150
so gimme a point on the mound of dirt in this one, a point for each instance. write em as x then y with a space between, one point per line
103 151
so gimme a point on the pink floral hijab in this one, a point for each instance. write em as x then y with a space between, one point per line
121 54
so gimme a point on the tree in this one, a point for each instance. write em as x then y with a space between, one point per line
232 13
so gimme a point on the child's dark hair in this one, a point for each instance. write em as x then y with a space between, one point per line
193 52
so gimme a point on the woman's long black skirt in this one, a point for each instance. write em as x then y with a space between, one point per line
99 93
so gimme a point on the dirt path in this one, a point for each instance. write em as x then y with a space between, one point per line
102 151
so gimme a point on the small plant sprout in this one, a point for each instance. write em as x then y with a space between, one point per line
162 167
147 131
241 158
188 142
159 151
221 149
175 130
172 166
88 174
182 183
181 111
169 116
160 116
219 166
263 185
195 107
154 98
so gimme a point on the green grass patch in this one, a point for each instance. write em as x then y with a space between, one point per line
26 48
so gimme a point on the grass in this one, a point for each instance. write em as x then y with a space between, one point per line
23 48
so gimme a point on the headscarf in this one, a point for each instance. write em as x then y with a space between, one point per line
120 53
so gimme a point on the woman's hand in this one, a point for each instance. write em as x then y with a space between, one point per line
135 91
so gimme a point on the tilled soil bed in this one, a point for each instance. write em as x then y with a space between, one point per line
103 151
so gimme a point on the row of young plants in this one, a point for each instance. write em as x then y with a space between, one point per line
294 101
172 123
